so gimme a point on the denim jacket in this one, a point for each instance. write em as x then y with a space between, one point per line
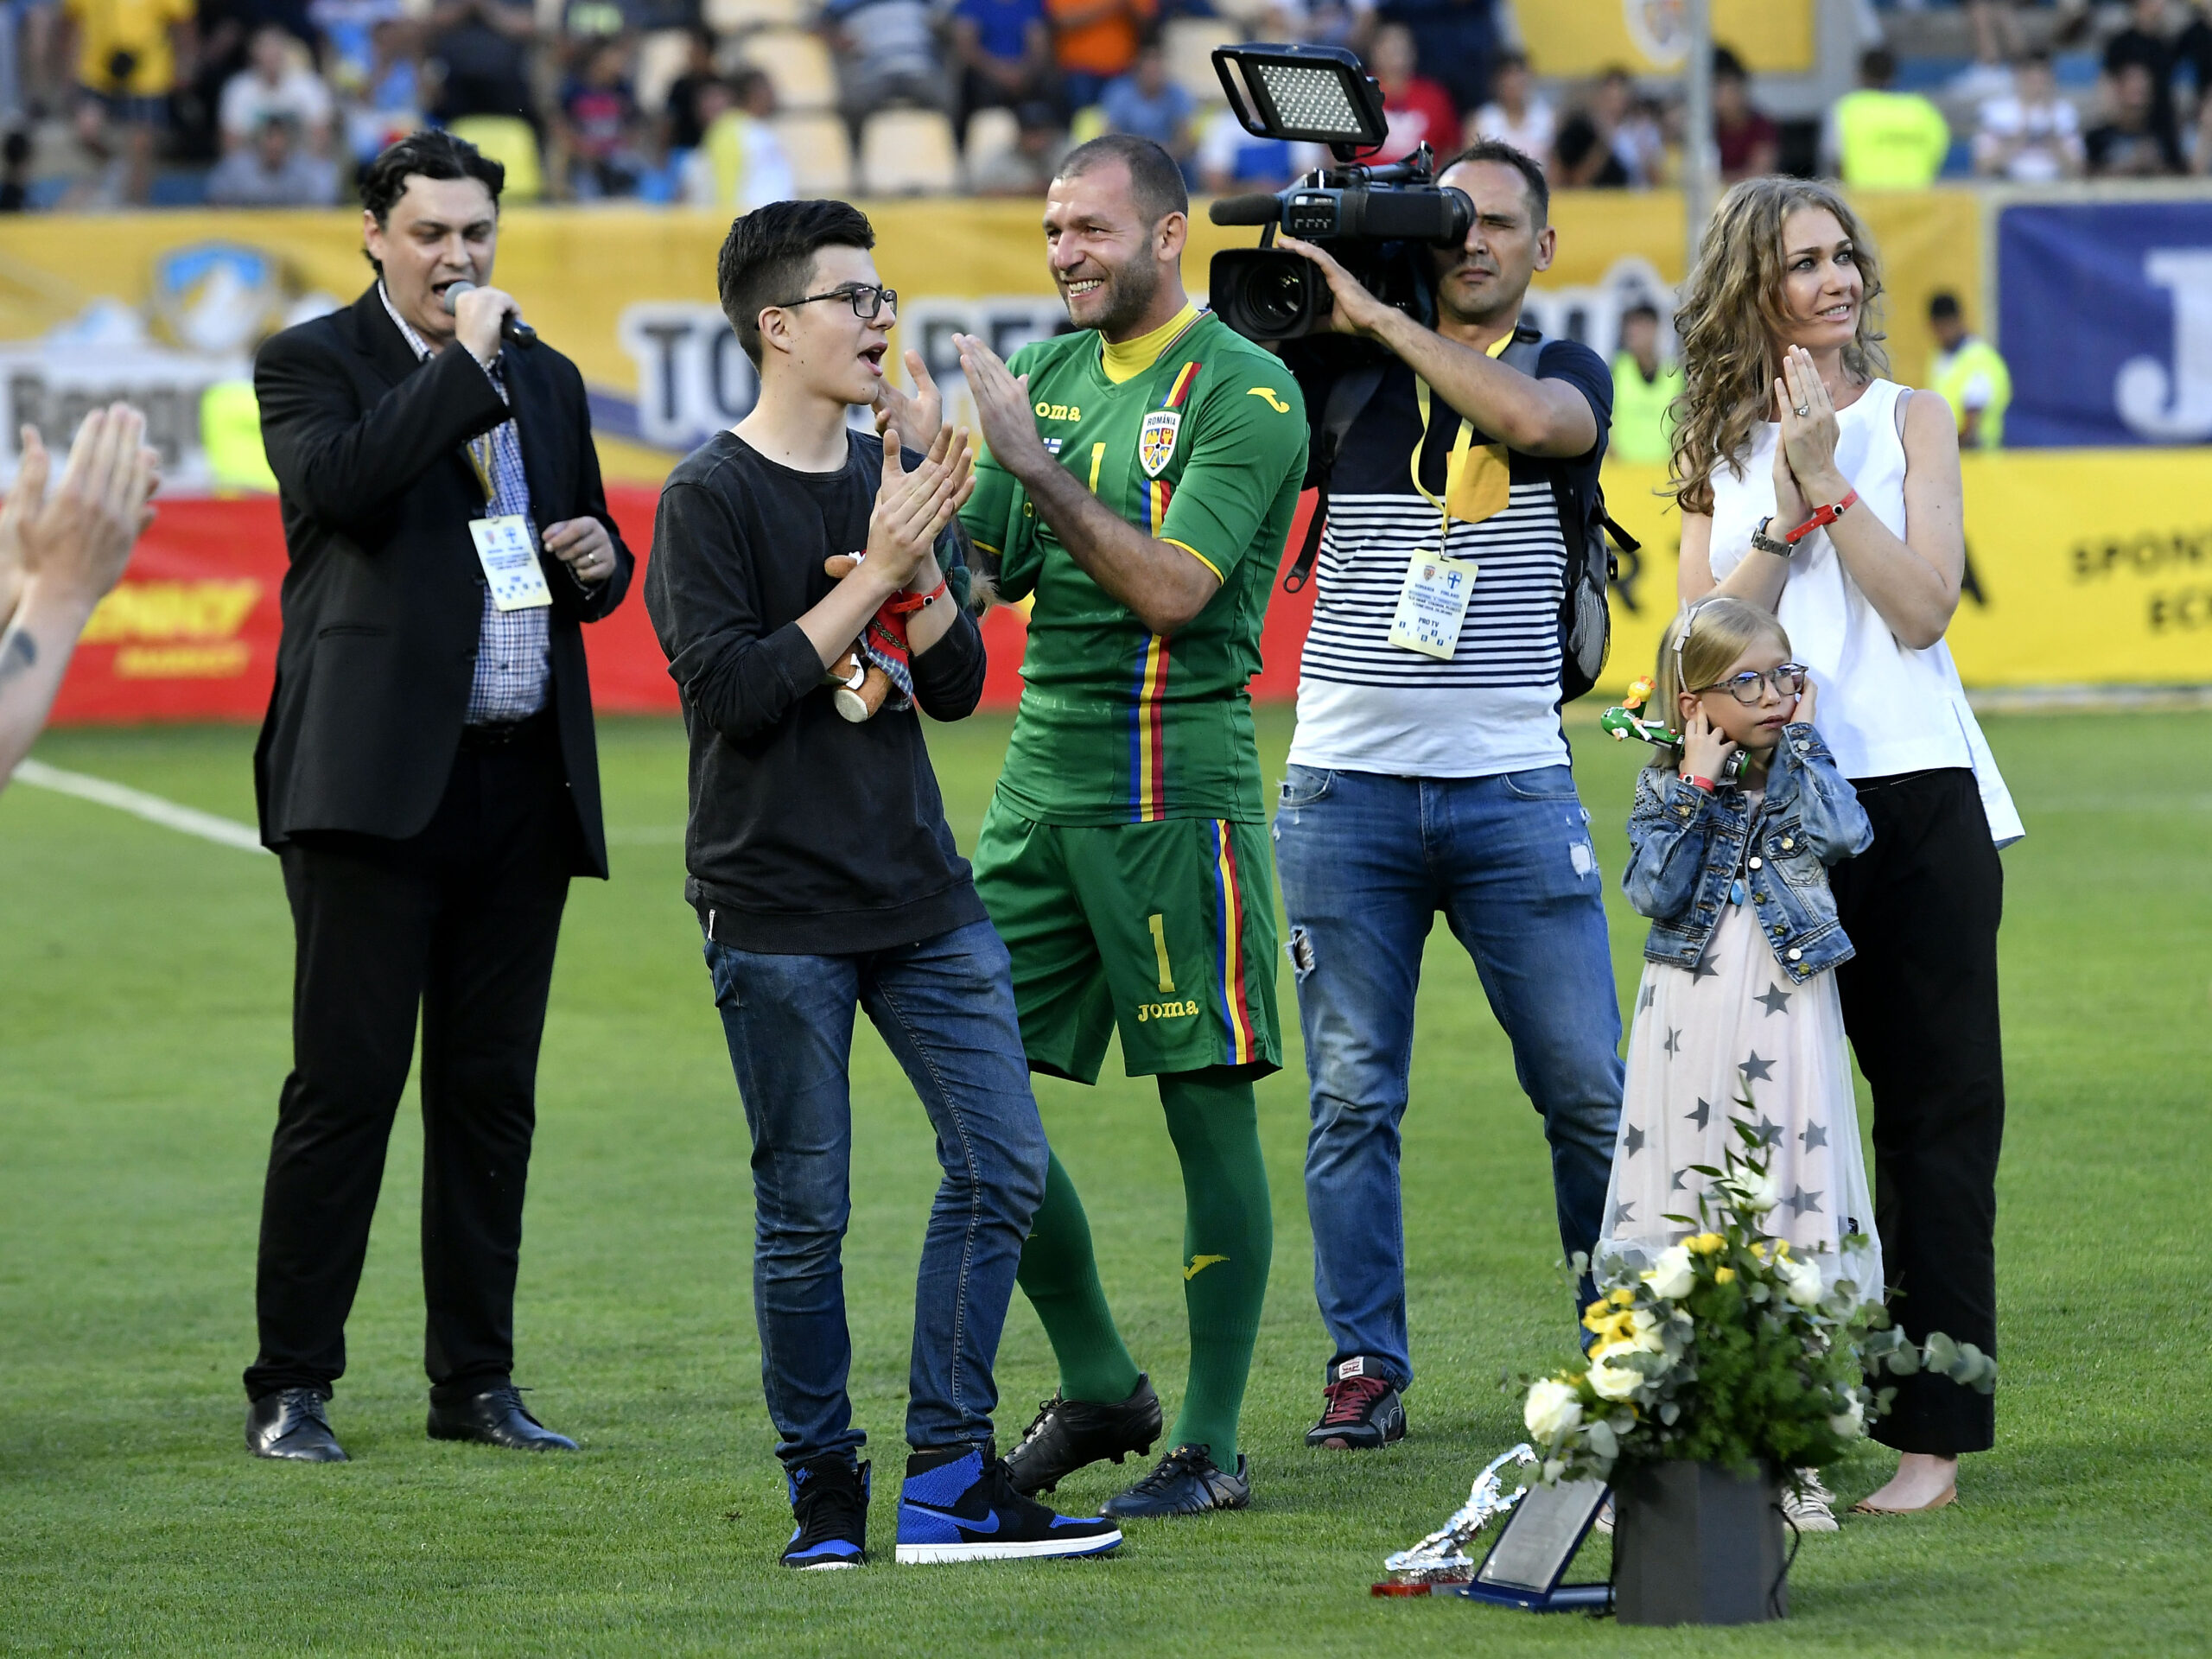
1686 847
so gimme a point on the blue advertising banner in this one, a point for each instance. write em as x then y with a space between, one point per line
2105 317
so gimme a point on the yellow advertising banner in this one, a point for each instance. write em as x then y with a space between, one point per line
2086 567
1587 37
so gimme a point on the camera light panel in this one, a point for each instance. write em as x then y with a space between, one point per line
1310 100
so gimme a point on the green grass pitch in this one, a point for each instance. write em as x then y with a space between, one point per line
143 1006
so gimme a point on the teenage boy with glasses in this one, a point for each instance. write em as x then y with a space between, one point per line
826 880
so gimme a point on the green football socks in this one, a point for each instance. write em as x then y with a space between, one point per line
1059 1275
1229 1237
1228 1241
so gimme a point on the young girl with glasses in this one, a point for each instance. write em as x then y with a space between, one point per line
1737 1017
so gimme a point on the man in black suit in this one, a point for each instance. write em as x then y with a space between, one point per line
427 774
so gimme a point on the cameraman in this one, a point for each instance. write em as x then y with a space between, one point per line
1427 782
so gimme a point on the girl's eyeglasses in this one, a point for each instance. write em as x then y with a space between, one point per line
867 303
1750 687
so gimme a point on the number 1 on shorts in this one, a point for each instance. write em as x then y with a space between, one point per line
1158 923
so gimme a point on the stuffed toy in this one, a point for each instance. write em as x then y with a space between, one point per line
876 669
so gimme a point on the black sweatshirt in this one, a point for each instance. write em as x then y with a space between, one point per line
809 833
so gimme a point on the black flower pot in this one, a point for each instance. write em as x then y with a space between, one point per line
1696 1544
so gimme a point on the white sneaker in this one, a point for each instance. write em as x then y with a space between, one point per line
1605 1521
1807 1503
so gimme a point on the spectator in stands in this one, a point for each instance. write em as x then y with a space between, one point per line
886 53
1645 386
1517 114
2146 40
1028 168
1749 142
1095 40
1968 374
1232 161
129 54
2128 144
1419 110
1881 139
2193 52
277 80
1586 155
1455 41
478 50
599 135
2030 135
391 102
1002 50
16 153
739 164
274 169
1149 102
682 125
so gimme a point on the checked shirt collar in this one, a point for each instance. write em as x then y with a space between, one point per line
512 669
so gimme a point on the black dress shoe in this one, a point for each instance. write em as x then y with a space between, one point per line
290 1424
496 1417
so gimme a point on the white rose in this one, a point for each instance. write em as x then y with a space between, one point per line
1850 1425
1755 1193
1551 1410
1644 1332
1801 1279
1671 1276
1614 1381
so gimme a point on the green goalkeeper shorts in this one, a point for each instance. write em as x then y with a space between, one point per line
1165 930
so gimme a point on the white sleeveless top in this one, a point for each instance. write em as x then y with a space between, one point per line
1885 708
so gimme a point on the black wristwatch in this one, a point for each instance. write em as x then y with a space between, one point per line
1767 543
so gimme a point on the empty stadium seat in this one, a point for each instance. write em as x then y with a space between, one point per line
821 154
991 133
507 140
1189 43
662 56
798 63
736 17
908 152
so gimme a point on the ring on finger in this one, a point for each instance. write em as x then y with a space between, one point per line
1804 411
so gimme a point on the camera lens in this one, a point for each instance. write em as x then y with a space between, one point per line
1275 298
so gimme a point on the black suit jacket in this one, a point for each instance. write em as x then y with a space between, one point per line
384 600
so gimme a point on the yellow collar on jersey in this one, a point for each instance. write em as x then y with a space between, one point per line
1131 357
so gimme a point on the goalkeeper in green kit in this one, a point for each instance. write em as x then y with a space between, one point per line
1140 481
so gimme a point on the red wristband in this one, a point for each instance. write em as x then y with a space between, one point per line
1821 516
1696 782
907 604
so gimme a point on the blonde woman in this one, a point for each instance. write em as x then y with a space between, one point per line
1813 486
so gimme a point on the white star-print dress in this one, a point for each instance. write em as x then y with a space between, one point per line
1704 1038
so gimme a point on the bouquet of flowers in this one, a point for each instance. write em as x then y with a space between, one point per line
1726 1350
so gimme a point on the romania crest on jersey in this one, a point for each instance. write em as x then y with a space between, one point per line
1156 441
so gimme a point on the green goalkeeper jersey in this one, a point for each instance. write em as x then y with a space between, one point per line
1204 448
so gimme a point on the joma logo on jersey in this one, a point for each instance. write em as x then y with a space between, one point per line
1156 441
1059 411
1148 1011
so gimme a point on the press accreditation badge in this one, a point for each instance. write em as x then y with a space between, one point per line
508 551
1432 604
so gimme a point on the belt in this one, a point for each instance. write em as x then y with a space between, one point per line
499 734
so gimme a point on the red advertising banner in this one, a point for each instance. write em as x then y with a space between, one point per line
190 633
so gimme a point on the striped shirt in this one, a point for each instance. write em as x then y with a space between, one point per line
511 665
1367 705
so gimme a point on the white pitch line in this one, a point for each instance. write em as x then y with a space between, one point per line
227 832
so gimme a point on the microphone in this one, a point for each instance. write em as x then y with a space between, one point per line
1245 210
512 328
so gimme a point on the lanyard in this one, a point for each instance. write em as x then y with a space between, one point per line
479 457
1458 459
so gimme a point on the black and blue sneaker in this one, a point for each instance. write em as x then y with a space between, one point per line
830 1502
959 1505
1186 1482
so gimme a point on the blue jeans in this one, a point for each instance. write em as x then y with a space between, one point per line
1366 863
945 1008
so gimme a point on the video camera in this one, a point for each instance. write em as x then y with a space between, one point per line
1377 222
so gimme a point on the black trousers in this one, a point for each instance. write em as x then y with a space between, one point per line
461 921
1922 906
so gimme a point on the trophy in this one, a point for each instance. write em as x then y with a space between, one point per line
1441 1558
